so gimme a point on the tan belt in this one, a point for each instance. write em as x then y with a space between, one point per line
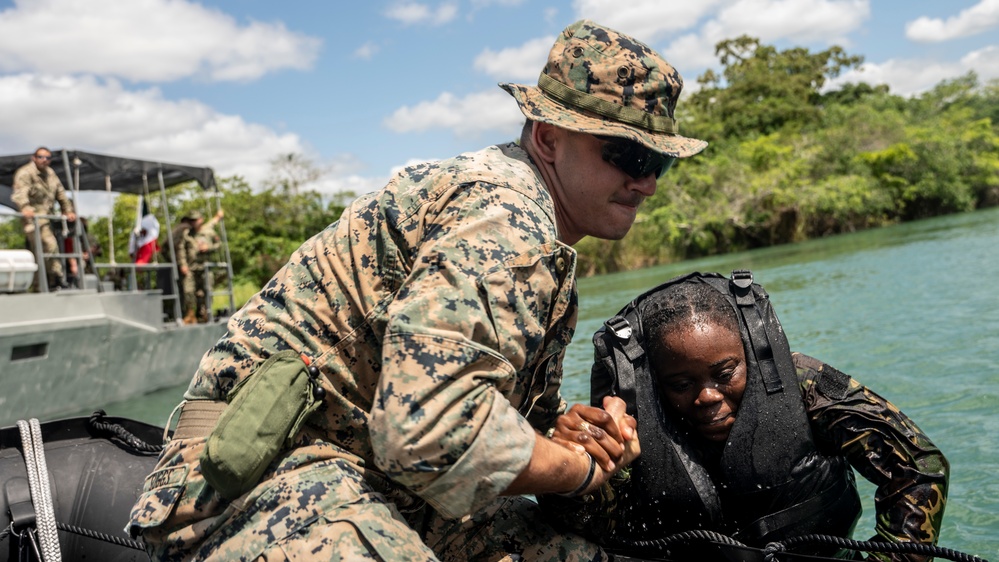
198 418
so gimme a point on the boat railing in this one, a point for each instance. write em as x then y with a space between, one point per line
69 231
123 277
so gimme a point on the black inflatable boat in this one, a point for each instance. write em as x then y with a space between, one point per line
92 469
67 487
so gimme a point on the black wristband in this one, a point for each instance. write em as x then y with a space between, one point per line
586 481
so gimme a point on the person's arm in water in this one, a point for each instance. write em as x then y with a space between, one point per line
884 446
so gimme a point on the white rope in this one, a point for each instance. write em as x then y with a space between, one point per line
41 494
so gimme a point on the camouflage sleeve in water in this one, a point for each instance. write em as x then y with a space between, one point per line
884 446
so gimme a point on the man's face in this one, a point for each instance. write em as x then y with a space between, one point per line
41 159
594 197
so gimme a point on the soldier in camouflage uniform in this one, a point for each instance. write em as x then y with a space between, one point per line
185 245
699 372
208 242
36 189
434 316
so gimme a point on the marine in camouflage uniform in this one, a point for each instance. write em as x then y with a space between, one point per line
36 189
185 246
208 242
436 312
874 436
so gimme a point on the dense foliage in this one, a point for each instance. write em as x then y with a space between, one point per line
789 159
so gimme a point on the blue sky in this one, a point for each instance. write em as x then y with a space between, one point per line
362 88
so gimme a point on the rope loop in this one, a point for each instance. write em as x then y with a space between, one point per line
100 426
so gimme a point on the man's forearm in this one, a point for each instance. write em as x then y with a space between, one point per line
553 468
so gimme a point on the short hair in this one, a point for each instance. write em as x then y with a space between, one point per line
525 132
682 305
45 148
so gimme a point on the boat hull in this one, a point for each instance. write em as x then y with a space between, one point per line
94 482
71 351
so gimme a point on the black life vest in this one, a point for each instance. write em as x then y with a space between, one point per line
771 482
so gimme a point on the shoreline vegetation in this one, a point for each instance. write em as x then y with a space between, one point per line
789 159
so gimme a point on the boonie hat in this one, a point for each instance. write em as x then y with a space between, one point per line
192 216
602 82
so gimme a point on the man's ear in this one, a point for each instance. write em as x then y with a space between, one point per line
545 138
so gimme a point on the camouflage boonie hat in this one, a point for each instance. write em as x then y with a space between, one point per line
602 82
192 216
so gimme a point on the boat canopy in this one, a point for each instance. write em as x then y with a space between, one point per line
89 171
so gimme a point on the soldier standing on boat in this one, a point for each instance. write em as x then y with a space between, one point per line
208 243
35 191
186 246
387 395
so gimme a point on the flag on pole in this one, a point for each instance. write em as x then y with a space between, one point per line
143 242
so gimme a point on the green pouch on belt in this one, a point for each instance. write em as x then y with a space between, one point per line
265 411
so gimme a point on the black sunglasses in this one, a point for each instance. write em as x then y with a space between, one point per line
633 158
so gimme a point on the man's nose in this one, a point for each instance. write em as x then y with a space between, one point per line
645 185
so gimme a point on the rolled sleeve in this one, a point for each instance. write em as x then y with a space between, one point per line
465 356
443 429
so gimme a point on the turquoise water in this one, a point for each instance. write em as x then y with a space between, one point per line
912 311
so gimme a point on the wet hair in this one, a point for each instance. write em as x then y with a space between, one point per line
679 306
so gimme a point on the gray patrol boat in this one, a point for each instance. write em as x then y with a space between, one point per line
119 334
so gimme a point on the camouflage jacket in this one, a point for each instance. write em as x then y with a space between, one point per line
39 191
879 441
438 310
185 245
208 242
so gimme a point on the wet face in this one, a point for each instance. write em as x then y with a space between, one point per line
592 196
41 158
702 376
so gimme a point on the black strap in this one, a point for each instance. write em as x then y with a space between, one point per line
827 501
742 288
623 359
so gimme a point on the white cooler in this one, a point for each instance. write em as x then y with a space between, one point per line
17 270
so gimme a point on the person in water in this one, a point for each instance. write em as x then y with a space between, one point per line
740 435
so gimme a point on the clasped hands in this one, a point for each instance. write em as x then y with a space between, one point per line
609 435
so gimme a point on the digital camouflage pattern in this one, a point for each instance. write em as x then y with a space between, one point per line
39 190
880 442
207 242
186 247
602 82
438 311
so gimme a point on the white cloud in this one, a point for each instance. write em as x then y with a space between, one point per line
904 77
911 77
465 117
486 3
516 63
92 114
985 62
366 51
977 19
412 13
646 20
808 21
795 20
147 40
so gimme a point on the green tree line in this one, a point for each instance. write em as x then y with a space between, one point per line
789 159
